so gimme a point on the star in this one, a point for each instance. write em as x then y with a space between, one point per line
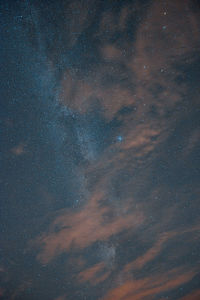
119 138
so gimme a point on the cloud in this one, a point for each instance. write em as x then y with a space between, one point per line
151 253
125 187
132 231
19 149
195 295
94 274
81 229
148 287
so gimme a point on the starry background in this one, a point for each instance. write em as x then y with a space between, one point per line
100 149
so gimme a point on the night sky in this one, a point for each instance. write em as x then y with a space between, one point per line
100 150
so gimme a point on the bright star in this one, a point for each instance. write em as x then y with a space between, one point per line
119 138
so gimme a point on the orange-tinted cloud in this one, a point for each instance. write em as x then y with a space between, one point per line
80 229
195 295
148 287
21 288
160 43
1 292
94 274
151 254
111 53
63 297
19 149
